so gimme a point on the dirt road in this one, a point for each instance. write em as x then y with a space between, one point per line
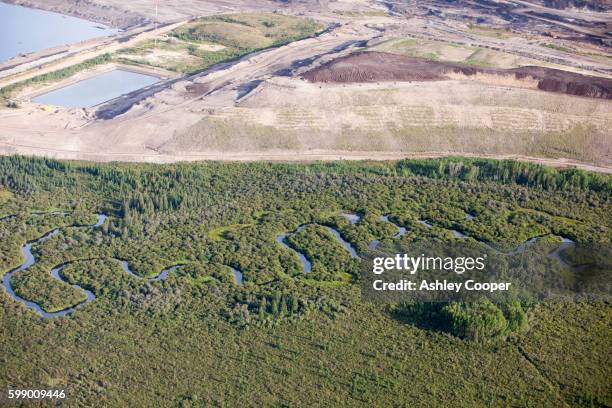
276 156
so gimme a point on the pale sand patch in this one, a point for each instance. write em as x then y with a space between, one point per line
161 56
211 47
498 80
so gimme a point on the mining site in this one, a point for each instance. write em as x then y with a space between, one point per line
311 80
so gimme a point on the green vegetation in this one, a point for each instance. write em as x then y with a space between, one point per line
357 14
455 52
176 55
199 339
558 47
248 31
210 40
328 257
481 321
54 76
5 195
489 31
225 232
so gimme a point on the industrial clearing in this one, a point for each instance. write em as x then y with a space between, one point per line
295 81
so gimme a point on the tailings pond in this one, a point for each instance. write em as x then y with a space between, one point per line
24 30
100 88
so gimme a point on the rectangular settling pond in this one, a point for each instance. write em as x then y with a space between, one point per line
98 89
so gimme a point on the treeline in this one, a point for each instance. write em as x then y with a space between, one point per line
25 174
508 171
470 169
20 168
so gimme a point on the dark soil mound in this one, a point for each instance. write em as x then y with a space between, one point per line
380 67
373 67
597 5
555 80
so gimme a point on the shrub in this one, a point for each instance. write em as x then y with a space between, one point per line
515 315
479 321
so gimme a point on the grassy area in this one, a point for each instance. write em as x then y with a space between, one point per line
370 13
489 31
222 233
198 339
5 195
414 132
558 48
210 40
176 55
433 50
340 279
458 53
248 31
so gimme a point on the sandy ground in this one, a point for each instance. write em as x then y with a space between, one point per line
377 66
287 156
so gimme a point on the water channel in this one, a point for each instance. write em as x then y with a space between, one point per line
238 276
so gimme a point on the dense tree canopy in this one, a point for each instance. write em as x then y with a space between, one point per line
209 217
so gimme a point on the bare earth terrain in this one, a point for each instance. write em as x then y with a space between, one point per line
377 67
529 80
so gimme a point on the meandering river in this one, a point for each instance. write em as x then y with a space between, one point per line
238 275
522 247
30 260
306 264
56 272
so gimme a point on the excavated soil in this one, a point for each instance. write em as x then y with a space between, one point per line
380 67
196 89
596 5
